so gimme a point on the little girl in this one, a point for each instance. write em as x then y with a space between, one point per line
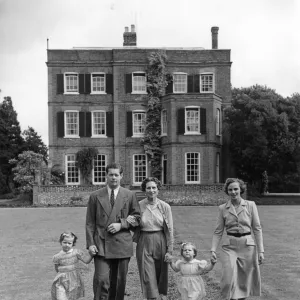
190 283
68 284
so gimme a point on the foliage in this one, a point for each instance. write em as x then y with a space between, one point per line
3 186
57 176
33 142
157 80
11 141
264 135
29 170
84 161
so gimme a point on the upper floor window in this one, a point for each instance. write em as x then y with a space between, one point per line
139 83
192 167
164 122
71 124
72 172
218 122
180 83
207 83
138 123
139 168
99 174
98 83
98 123
192 120
71 83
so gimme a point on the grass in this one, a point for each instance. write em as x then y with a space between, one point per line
28 240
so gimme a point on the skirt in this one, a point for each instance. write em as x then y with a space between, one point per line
241 274
150 254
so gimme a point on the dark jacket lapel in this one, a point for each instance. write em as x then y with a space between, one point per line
104 200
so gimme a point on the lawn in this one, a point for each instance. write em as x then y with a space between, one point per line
28 240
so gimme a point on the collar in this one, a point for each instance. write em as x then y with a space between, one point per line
116 191
70 251
229 203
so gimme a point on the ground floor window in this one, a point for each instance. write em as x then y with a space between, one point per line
99 174
72 172
139 168
192 167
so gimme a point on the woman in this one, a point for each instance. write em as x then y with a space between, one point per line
241 256
154 238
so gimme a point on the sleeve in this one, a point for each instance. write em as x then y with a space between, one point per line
218 230
55 259
256 227
202 264
171 229
134 210
90 223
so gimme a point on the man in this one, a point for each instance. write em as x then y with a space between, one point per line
108 236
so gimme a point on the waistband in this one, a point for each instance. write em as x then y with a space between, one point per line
238 234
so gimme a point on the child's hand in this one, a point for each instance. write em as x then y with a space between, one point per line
213 260
168 258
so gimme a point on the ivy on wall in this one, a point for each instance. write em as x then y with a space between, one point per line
84 162
157 80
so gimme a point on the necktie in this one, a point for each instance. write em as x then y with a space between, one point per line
112 198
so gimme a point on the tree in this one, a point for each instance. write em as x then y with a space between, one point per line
33 142
11 141
29 169
263 132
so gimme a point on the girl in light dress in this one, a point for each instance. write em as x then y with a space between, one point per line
190 284
68 283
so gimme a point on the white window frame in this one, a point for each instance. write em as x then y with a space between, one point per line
95 135
164 122
72 91
135 84
218 122
134 170
65 124
204 84
164 158
138 134
94 74
103 166
190 132
76 170
186 168
218 167
175 84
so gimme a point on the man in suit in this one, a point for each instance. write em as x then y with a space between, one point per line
108 234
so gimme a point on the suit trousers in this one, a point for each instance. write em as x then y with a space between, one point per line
110 278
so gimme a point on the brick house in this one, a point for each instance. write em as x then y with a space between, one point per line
96 99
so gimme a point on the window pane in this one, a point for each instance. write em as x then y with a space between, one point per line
140 168
98 83
99 123
72 170
71 82
207 83
72 126
164 122
192 167
180 83
139 123
139 82
192 120
99 169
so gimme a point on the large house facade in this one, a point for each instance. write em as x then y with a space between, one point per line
96 98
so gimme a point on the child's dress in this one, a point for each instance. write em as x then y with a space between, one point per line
68 283
190 283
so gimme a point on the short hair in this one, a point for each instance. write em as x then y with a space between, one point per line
188 244
150 179
114 165
232 180
68 234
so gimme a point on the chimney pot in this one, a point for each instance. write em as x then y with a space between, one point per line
129 37
214 37
132 28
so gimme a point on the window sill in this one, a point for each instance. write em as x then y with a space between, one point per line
72 137
138 136
219 135
198 182
98 93
73 183
192 133
99 183
185 92
202 92
139 93
71 93
163 135
98 136
137 184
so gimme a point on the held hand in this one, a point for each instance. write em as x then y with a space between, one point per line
261 258
132 221
114 228
168 257
213 256
93 250
213 260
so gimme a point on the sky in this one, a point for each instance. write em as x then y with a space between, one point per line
263 36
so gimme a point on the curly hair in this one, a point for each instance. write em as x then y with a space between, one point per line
188 244
68 234
150 179
232 180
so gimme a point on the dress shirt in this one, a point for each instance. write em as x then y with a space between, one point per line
152 218
116 191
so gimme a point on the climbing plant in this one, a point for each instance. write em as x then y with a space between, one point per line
84 161
157 80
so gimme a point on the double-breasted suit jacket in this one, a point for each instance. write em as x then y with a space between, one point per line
100 215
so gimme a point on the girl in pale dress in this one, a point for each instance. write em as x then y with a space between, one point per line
190 284
68 284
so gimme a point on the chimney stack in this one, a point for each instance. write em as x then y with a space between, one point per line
129 37
214 37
